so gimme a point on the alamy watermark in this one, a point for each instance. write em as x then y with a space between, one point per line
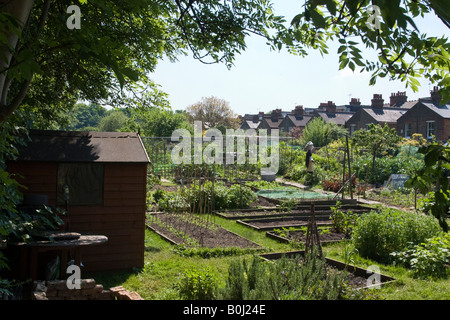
374 20
74 20
73 281
240 146
374 280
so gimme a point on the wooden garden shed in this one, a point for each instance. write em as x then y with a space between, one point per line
104 175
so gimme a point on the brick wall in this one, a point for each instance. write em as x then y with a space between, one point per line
417 117
58 290
360 119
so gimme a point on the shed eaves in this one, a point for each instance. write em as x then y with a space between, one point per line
83 146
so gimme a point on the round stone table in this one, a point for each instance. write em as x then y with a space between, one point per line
62 243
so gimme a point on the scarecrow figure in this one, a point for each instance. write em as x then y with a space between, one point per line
309 160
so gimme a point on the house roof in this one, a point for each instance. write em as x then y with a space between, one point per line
339 118
272 124
299 121
252 124
386 115
443 111
83 146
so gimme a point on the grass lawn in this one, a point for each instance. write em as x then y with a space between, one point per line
163 265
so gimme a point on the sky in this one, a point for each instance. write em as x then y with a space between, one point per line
263 80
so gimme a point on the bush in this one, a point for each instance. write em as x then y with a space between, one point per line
428 259
376 235
197 284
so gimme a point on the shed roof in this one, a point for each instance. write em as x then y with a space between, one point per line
83 146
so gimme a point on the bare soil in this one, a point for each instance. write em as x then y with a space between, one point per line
205 233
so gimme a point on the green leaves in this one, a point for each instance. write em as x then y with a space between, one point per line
389 27
433 178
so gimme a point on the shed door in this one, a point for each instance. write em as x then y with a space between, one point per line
81 184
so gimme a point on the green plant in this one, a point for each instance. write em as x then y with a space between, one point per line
284 279
197 284
429 259
377 234
343 221
287 205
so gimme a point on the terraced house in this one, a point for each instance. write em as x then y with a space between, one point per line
379 112
427 117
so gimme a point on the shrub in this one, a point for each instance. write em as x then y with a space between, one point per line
197 284
376 235
428 259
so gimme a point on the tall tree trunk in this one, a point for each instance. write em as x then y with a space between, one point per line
20 9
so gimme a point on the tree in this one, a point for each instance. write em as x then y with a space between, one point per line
386 26
155 122
114 121
86 116
213 112
377 139
321 133
434 176
119 43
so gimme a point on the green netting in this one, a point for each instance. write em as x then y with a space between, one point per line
292 193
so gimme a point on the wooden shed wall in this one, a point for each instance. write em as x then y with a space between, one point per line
121 217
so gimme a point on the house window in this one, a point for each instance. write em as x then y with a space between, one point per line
81 183
407 130
352 129
367 126
430 129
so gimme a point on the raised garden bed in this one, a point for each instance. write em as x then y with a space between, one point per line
357 277
294 235
192 231
299 209
283 222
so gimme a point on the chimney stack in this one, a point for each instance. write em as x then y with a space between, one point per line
355 102
436 96
276 114
377 101
298 112
397 99
331 107
255 118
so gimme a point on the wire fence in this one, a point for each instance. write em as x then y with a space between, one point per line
160 149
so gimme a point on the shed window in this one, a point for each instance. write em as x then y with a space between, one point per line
83 181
